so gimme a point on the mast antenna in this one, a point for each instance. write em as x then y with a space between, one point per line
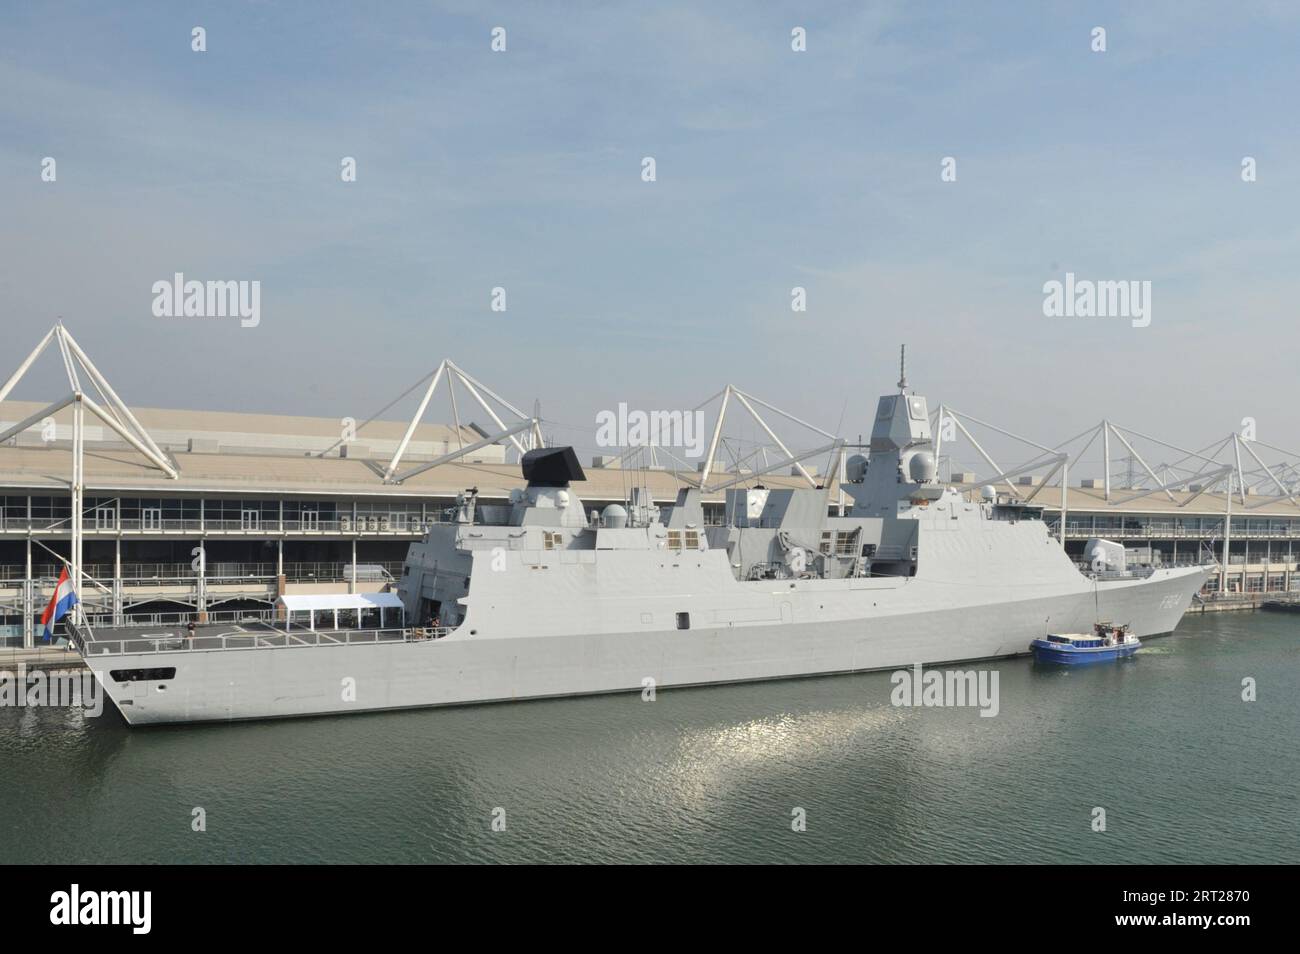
902 369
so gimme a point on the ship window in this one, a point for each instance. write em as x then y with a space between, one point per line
674 539
683 620
142 675
692 539
846 542
552 541
826 542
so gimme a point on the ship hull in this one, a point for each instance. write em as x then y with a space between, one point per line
234 684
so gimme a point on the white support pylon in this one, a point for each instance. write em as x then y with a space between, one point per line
114 413
454 374
748 402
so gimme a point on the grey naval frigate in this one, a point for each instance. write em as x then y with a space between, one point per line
540 598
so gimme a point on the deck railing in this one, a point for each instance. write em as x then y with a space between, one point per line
215 573
91 645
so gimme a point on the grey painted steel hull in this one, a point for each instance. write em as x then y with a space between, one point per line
891 625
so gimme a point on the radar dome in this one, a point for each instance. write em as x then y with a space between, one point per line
614 516
855 469
922 467
988 493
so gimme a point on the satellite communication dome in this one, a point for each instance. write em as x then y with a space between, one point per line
855 469
562 499
614 516
988 493
922 467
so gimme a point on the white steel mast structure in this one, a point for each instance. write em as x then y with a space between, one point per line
113 413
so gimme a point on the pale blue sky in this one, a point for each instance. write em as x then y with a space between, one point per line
775 169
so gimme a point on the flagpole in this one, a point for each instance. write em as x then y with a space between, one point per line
78 465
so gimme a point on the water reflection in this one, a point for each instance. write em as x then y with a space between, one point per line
1187 771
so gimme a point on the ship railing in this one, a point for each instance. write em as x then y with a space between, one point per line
1132 573
278 639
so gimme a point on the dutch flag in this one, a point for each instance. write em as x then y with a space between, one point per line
64 599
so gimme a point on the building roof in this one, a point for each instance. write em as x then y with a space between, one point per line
229 432
302 602
275 455
47 470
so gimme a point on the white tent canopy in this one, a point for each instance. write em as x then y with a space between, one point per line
385 609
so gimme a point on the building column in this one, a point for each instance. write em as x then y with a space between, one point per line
117 580
279 567
201 594
78 612
29 591
1227 538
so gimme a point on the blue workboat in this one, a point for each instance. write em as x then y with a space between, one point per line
1104 644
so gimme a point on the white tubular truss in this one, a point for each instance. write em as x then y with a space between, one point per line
748 402
114 413
454 375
